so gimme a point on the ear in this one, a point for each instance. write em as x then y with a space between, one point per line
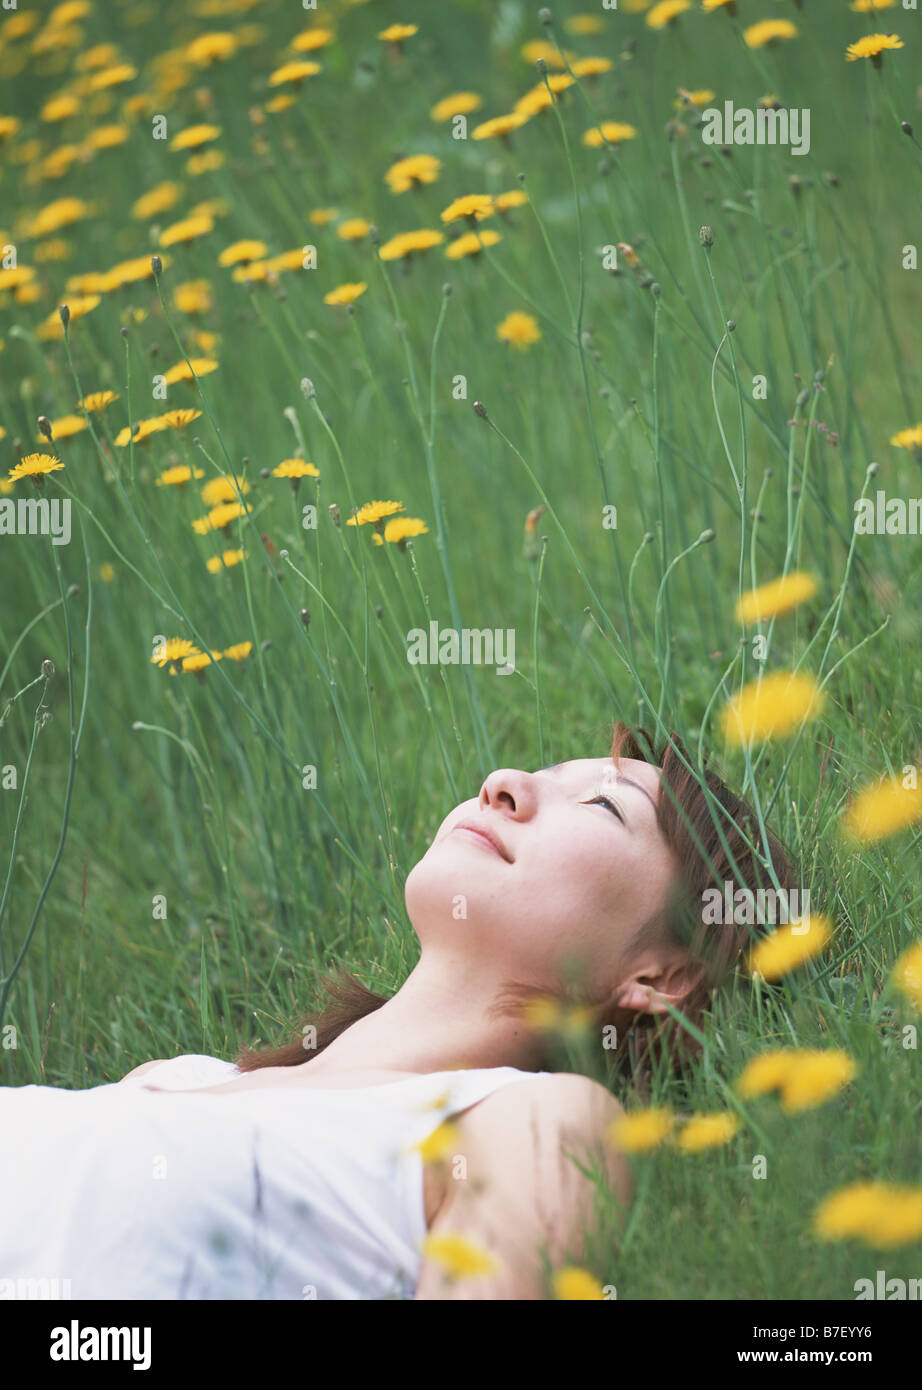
649 991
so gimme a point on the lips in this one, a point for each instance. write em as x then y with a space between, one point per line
482 833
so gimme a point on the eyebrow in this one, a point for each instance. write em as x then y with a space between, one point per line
623 781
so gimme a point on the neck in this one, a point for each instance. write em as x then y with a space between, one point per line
444 1016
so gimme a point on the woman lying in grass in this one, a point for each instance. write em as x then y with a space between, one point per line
406 1141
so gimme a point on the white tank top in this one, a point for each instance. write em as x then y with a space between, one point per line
276 1193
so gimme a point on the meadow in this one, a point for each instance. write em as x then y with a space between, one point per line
632 379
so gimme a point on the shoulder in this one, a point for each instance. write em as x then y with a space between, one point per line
537 1160
145 1066
548 1105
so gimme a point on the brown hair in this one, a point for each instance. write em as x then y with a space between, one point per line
714 836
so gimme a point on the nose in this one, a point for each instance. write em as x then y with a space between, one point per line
511 792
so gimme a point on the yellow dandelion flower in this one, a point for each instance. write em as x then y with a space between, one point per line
61 213
173 649
198 661
211 48
515 198
471 244
242 251
877 1213
178 419
908 439
34 466
907 975
107 137
219 518
440 1144
59 108
540 50
872 46
519 330
776 598
185 371
591 67
789 946
287 260
412 172
179 476
295 468
353 229
193 297
239 651
869 6
159 199
640 1130
699 97
458 104
771 707
311 39
396 33
295 72
255 271
473 206
141 430
321 216
370 513
609 132
226 560
402 528
66 425
8 127
584 25
884 808
112 77
281 102
457 1256
709 5
573 1283
101 55
768 31
767 1072
223 489
815 1076
666 12
188 230
194 136
405 243
499 126
98 400
205 163
707 1132
16 275
345 294
52 327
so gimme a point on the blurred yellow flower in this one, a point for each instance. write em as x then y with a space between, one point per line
519 330
768 31
458 104
775 598
771 707
907 975
574 1283
707 1131
640 1130
440 1144
471 244
877 1213
872 46
457 1256
345 294
666 12
609 132
789 946
884 808
410 173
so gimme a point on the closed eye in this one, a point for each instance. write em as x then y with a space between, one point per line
604 801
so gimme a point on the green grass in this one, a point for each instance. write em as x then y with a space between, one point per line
191 788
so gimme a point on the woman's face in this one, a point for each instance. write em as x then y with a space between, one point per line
572 879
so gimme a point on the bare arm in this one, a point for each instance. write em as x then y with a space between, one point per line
521 1194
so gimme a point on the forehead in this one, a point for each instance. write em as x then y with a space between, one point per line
579 770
